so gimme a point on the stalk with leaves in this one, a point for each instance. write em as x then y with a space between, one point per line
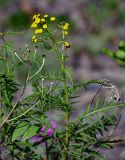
25 125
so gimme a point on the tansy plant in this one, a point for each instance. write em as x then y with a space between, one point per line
27 130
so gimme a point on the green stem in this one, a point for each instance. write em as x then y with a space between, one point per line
67 107
47 155
62 63
12 153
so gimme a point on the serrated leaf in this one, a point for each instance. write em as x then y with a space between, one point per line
32 130
19 131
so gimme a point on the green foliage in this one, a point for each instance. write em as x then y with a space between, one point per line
118 55
87 131
20 130
31 131
7 87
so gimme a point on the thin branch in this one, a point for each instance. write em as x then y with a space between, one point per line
24 112
113 130
38 70
102 109
96 94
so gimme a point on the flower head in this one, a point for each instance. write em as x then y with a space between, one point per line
45 26
66 44
43 20
36 31
65 27
43 128
46 15
35 40
54 124
36 138
34 17
40 30
33 37
37 20
52 18
33 25
50 132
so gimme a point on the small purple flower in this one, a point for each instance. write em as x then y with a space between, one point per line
36 138
50 132
43 128
54 124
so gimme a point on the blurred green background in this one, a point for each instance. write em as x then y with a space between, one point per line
95 24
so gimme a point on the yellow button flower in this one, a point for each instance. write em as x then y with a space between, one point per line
35 40
52 18
34 17
33 25
42 19
45 26
37 20
66 44
36 31
40 30
46 15
65 27
33 37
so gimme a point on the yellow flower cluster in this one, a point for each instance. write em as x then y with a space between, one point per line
65 28
34 39
40 24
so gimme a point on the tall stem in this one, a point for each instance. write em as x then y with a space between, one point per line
67 107
62 63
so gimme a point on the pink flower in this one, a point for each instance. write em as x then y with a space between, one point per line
54 124
36 138
43 128
50 132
